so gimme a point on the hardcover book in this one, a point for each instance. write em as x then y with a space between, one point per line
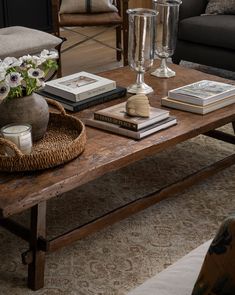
86 103
79 86
202 93
117 115
166 101
163 124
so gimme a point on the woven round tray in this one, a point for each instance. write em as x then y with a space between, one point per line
64 140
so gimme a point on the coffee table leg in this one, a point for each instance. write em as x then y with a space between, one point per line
38 229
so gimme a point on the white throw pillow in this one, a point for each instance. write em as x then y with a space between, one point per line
87 6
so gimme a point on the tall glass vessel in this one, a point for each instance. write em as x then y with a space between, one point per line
142 24
166 30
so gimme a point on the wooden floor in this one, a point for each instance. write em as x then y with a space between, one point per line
92 56
89 56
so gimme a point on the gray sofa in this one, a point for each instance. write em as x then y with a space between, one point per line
207 40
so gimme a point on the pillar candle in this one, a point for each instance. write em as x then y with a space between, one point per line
20 134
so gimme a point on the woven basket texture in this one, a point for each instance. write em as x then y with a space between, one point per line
64 140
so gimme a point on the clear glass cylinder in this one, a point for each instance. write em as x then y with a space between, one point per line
166 31
20 134
142 23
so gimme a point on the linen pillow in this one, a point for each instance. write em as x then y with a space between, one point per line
87 6
217 275
220 7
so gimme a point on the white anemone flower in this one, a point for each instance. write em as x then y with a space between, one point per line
4 90
38 60
52 54
2 74
23 64
44 53
17 63
8 60
26 57
35 73
11 61
13 79
3 66
35 60
28 60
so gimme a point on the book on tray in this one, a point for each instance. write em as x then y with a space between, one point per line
141 133
202 93
117 115
168 102
79 86
88 102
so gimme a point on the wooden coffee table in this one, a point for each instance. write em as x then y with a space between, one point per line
106 152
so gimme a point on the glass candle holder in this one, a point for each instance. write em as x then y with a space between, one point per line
166 31
21 135
142 23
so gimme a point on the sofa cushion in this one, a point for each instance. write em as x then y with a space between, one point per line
18 41
177 279
220 7
218 30
87 6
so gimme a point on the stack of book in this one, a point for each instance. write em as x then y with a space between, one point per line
115 119
82 90
201 97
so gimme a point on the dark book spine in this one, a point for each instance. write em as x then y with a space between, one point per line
103 98
78 106
125 124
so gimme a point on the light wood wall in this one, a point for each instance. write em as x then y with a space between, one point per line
140 3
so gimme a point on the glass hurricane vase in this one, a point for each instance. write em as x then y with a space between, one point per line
166 31
142 23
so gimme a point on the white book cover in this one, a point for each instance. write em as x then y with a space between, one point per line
170 121
79 86
202 92
202 110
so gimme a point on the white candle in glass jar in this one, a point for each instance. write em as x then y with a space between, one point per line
20 134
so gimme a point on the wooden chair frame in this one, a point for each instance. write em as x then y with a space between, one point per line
121 30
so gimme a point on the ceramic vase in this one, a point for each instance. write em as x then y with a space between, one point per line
32 109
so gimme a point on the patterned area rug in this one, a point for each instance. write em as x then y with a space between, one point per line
122 256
